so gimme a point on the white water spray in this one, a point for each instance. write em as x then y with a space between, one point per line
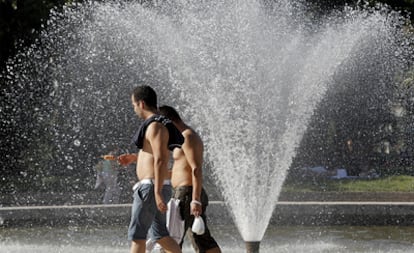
247 75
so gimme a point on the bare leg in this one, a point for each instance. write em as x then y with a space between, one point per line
190 236
169 245
214 250
138 246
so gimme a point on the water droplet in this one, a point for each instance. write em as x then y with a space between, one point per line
77 143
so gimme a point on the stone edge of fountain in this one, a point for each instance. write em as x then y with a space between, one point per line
309 213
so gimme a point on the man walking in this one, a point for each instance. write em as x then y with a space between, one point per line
187 181
154 139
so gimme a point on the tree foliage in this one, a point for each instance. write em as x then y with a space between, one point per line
20 23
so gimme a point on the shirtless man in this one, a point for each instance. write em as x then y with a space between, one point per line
187 181
154 138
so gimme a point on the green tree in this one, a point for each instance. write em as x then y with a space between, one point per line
20 23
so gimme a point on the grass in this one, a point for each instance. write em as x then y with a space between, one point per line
385 184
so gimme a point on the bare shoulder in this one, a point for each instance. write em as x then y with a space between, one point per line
156 128
191 136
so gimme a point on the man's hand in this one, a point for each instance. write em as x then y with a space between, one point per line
127 159
196 208
160 203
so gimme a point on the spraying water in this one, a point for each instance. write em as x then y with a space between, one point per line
247 75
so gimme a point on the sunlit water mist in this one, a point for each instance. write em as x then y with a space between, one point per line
247 75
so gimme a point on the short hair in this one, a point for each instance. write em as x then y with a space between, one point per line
169 112
146 94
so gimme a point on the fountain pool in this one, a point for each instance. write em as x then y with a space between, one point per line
289 239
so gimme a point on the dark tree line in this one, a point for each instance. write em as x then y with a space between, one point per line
20 23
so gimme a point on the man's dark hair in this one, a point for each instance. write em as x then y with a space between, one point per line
169 112
146 94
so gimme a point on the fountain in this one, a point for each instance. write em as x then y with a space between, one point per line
247 74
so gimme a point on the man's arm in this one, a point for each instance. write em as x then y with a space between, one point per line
126 159
193 150
157 136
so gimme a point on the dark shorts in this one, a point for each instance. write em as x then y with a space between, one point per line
205 241
145 217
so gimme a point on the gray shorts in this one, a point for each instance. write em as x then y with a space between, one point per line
145 216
